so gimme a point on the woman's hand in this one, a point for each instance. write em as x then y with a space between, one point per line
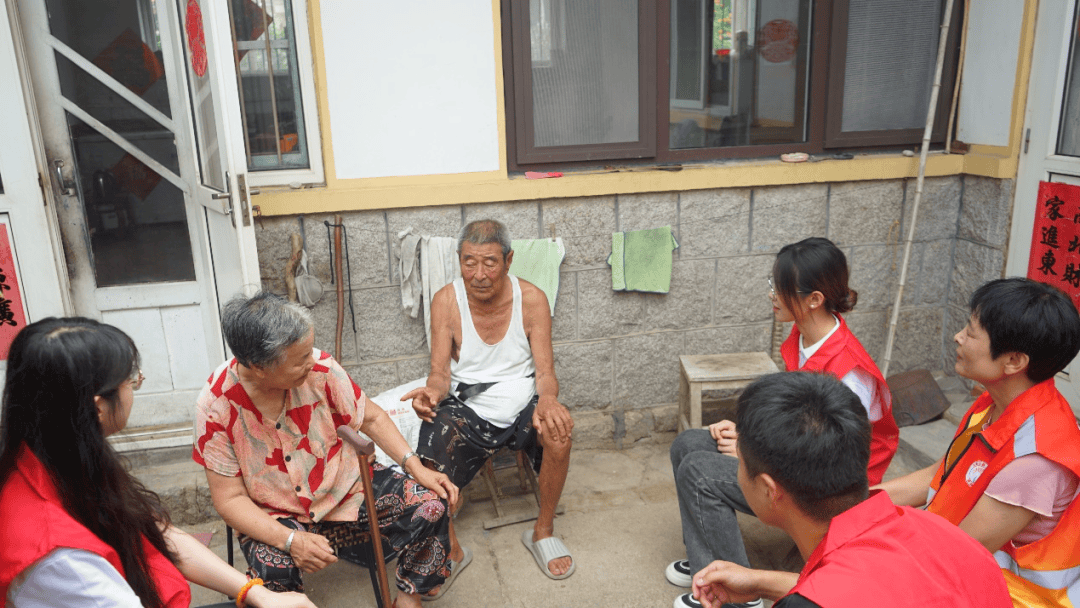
433 480
726 437
311 552
261 597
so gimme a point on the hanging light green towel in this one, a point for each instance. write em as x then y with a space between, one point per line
641 260
537 261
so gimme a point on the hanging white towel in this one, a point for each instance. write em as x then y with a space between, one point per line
409 269
439 266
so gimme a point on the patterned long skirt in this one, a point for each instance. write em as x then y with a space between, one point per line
413 523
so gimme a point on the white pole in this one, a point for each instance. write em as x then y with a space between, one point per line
918 185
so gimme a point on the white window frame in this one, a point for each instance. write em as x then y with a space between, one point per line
305 67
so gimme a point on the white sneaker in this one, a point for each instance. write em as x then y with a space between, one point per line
687 601
678 573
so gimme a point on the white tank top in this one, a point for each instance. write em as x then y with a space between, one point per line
508 362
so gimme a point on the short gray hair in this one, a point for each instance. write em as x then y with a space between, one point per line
482 232
259 329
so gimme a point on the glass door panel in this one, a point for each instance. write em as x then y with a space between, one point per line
1069 131
136 220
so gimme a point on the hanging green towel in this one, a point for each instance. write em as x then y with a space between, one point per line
537 261
641 260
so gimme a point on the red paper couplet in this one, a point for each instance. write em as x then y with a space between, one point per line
196 38
1055 242
12 315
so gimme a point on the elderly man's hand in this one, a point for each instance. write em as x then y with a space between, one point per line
726 437
424 400
311 552
552 419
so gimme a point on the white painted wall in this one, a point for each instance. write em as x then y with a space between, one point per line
993 48
411 87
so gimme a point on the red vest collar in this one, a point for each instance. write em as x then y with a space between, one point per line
37 476
850 525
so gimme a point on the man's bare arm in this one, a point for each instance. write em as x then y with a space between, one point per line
551 416
425 399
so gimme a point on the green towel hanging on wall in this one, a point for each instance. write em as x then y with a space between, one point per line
537 261
641 260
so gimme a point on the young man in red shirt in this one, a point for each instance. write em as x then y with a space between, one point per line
804 445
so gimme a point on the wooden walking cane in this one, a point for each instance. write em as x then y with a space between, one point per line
365 448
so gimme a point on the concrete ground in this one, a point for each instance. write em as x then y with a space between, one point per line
621 523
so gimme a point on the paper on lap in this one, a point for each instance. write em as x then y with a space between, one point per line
403 415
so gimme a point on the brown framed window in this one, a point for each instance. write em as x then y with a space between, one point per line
582 74
670 81
881 69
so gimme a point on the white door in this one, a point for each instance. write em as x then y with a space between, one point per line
1051 150
154 222
31 284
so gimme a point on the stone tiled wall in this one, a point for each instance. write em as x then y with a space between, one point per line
616 354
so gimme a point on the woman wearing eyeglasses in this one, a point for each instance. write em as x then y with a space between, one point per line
77 528
809 285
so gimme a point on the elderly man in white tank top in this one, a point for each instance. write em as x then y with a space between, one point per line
492 384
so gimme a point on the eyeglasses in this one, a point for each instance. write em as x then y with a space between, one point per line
772 290
136 379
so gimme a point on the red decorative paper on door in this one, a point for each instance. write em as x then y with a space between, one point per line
1055 242
196 38
12 314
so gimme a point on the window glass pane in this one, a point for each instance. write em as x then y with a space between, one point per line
120 37
102 103
584 71
269 82
1069 133
137 219
891 53
204 106
738 72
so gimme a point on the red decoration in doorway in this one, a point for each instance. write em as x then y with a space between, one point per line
12 315
135 177
130 62
196 38
777 40
1055 242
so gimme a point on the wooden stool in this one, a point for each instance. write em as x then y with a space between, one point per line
527 483
715 372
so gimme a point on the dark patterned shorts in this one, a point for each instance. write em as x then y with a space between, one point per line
414 528
459 442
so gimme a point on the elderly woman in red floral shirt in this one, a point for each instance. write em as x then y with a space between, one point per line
265 431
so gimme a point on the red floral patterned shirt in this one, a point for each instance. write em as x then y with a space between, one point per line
295 466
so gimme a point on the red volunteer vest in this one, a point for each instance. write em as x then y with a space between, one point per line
1044 572
33 522
840 354
878 554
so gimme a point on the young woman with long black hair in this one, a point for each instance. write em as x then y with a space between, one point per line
77 528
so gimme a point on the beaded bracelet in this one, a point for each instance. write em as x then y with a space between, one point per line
241 598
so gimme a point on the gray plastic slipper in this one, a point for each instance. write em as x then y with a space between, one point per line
455 569
545 550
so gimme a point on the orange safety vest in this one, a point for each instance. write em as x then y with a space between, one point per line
1047 571
840 354
33 522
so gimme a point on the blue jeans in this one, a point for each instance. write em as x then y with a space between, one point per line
707 483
